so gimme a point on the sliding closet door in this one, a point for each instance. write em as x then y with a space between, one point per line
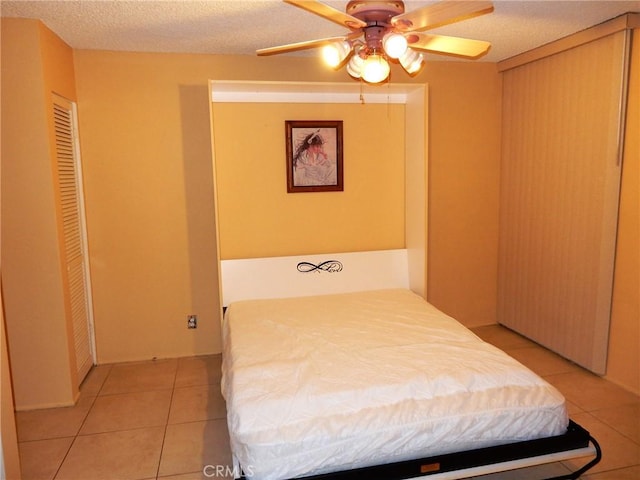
559 197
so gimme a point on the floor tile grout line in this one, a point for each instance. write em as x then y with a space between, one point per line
166 424
93 403
75 437
612 427
55 475
104 380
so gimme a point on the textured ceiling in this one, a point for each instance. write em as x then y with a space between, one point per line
240 27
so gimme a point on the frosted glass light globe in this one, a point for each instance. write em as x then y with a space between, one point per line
354 67
334 53
375 69
394 44
412 61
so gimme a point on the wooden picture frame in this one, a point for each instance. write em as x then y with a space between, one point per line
314 155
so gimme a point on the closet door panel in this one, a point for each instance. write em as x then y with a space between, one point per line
559 198
72 228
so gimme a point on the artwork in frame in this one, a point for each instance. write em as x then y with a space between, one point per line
314 155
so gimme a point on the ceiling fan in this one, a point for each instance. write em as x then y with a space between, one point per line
389 33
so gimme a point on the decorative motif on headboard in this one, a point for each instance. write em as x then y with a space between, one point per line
283 277
331 266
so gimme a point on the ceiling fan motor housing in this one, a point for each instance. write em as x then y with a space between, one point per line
377 15
374 11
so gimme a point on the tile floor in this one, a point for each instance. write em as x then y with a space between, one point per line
166 420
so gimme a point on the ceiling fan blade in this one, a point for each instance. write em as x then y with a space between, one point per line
439 14
294 47
329 13
455 46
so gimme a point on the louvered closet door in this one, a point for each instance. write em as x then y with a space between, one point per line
72 223
559 198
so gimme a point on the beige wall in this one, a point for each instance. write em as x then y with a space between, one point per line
464 184
9 444
624 339
149 190
258 218
146 149
34 63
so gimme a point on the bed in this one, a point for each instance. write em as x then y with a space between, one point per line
367 380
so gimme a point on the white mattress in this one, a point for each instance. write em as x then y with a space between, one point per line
320 384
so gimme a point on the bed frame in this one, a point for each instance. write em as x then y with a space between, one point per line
296 276
575 442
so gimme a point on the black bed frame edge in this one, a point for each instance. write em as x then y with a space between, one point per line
574 438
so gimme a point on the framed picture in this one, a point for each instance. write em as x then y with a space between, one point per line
314 155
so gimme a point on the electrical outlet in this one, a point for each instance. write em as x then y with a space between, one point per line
192 321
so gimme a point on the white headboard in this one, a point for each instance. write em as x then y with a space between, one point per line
297 276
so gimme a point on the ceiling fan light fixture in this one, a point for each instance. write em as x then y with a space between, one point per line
412 61
395 44
355 65
375 68
335 53
390 33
